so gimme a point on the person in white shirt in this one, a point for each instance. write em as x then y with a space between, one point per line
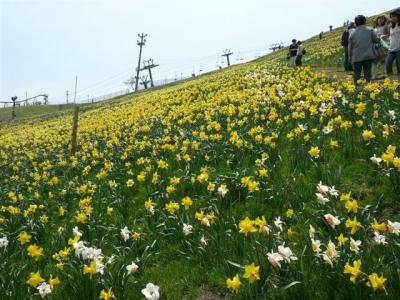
394 47
382 30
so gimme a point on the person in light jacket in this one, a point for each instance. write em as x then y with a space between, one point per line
361 49
394 48
300 53
382 30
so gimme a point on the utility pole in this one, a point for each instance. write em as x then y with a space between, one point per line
144 81
148 65
140 44
76 83
227 53
67 96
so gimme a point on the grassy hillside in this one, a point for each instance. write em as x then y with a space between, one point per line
256 182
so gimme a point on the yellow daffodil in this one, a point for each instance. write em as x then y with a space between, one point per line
251 272
234 283
35 279
354 270
247 226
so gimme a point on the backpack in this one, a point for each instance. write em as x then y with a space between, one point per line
304 51
379 49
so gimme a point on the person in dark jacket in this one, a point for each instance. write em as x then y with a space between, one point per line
361 49
293 53
345 44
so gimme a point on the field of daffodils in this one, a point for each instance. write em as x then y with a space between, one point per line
256 182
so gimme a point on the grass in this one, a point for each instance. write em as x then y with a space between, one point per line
26 113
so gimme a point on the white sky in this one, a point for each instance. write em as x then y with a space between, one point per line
45 43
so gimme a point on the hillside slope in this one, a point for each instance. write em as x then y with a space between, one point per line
256 182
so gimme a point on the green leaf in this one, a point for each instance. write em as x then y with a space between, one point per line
235 264
290 285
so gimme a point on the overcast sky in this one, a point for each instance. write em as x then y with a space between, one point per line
45 43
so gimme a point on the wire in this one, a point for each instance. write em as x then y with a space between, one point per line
207 64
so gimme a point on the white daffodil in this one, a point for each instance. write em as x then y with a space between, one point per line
222 190
321 188
330 253
90 253
132 268
79 247
327 130
3 242
274 259
203 241
266 229
93 253
99 267
332 220
316 245
321 199
111 259
393 227
76 232
278 223
44 289
379 238
151 292
375 160
355 245
392 115
302 127
125 232
205 221
333 192
331 250
322 108
286 253
187 229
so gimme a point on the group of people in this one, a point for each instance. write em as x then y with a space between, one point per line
296 52
367 48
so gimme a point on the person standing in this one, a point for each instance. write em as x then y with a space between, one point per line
382 30
345 44
300 52
361 49
394 47
293 53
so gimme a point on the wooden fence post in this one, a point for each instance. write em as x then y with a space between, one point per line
13 114
75 129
